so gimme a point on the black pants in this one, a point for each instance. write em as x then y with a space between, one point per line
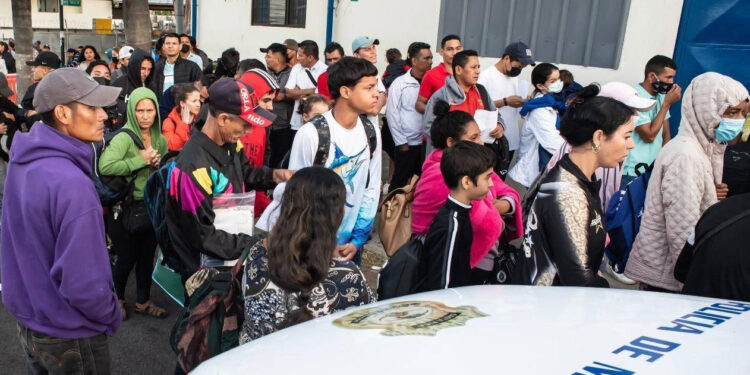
385 135
281 143
132 251
406 164
51 355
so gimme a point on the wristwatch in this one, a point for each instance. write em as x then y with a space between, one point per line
505 102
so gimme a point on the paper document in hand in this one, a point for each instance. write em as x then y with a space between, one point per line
487 121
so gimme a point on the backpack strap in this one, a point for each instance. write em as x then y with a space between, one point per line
324 140
134 137
484 95
310 75
372 137
719 228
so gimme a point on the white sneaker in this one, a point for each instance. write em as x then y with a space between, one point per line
619 276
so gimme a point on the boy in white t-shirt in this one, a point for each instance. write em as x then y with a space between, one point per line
353 84
506 90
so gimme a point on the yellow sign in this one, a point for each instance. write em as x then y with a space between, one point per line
103 25
409 318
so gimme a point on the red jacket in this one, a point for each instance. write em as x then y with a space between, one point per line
175 130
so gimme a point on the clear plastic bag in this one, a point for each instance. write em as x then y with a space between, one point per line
234 214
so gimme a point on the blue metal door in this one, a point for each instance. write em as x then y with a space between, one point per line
713 36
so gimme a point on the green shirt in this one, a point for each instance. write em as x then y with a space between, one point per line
644 152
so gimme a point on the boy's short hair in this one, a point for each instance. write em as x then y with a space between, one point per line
465 159
348 72
333 46
448 38
310 48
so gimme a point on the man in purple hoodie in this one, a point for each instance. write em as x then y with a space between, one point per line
56 275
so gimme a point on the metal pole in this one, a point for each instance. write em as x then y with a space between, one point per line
179 12
62 34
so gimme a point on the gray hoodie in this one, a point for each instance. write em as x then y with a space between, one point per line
453 94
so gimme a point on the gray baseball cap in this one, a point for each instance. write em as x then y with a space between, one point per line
67 85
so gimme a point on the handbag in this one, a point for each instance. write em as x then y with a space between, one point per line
394 227
135 218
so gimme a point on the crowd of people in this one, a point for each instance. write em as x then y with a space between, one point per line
180 135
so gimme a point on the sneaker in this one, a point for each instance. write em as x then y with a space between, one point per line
619 276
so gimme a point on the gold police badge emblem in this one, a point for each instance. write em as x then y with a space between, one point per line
409 318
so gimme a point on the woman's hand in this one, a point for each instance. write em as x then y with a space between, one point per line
185 114
148 155
498 132
282 175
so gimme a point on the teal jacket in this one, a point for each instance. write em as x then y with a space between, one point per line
121 157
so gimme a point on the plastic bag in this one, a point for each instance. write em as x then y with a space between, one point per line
234 214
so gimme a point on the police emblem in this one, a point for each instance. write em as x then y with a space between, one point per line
409 318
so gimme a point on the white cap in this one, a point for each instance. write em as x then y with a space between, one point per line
626 94
125 52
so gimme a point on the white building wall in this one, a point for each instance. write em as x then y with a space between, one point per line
76 17
651 29
227 23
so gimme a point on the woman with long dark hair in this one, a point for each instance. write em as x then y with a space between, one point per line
88 55
291 275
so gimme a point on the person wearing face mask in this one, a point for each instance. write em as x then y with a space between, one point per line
506 90
187 47
540 138
179 123
687 178
652 127
99 71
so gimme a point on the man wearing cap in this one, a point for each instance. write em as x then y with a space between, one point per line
434 79
505 90
124 56
56 274
364 48
281 135
211 164
43 64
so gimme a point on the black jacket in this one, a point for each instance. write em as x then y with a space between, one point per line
10 61
565 221
445 260
132 80
184 71
720 266
202 171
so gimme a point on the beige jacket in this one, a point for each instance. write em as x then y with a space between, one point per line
682 184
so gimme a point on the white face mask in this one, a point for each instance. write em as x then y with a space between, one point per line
555 87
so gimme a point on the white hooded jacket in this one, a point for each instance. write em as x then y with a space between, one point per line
682 184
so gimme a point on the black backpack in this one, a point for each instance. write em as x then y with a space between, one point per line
324 141
112 189
400 275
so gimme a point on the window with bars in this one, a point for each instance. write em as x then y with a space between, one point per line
576 32
48 6
287 13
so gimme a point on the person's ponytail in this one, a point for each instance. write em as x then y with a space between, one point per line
447 124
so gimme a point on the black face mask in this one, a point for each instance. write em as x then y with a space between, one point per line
185 48
661 87
514 71
115 60
102 81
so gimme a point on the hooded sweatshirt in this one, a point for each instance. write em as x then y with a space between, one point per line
122 157
454 95
682 184
55 271
132 80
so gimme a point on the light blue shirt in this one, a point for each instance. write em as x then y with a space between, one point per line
168 77
644 152
196 59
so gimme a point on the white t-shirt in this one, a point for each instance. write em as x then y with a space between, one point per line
168 77
301 80
348 157
499 86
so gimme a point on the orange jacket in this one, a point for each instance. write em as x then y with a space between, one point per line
175 130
